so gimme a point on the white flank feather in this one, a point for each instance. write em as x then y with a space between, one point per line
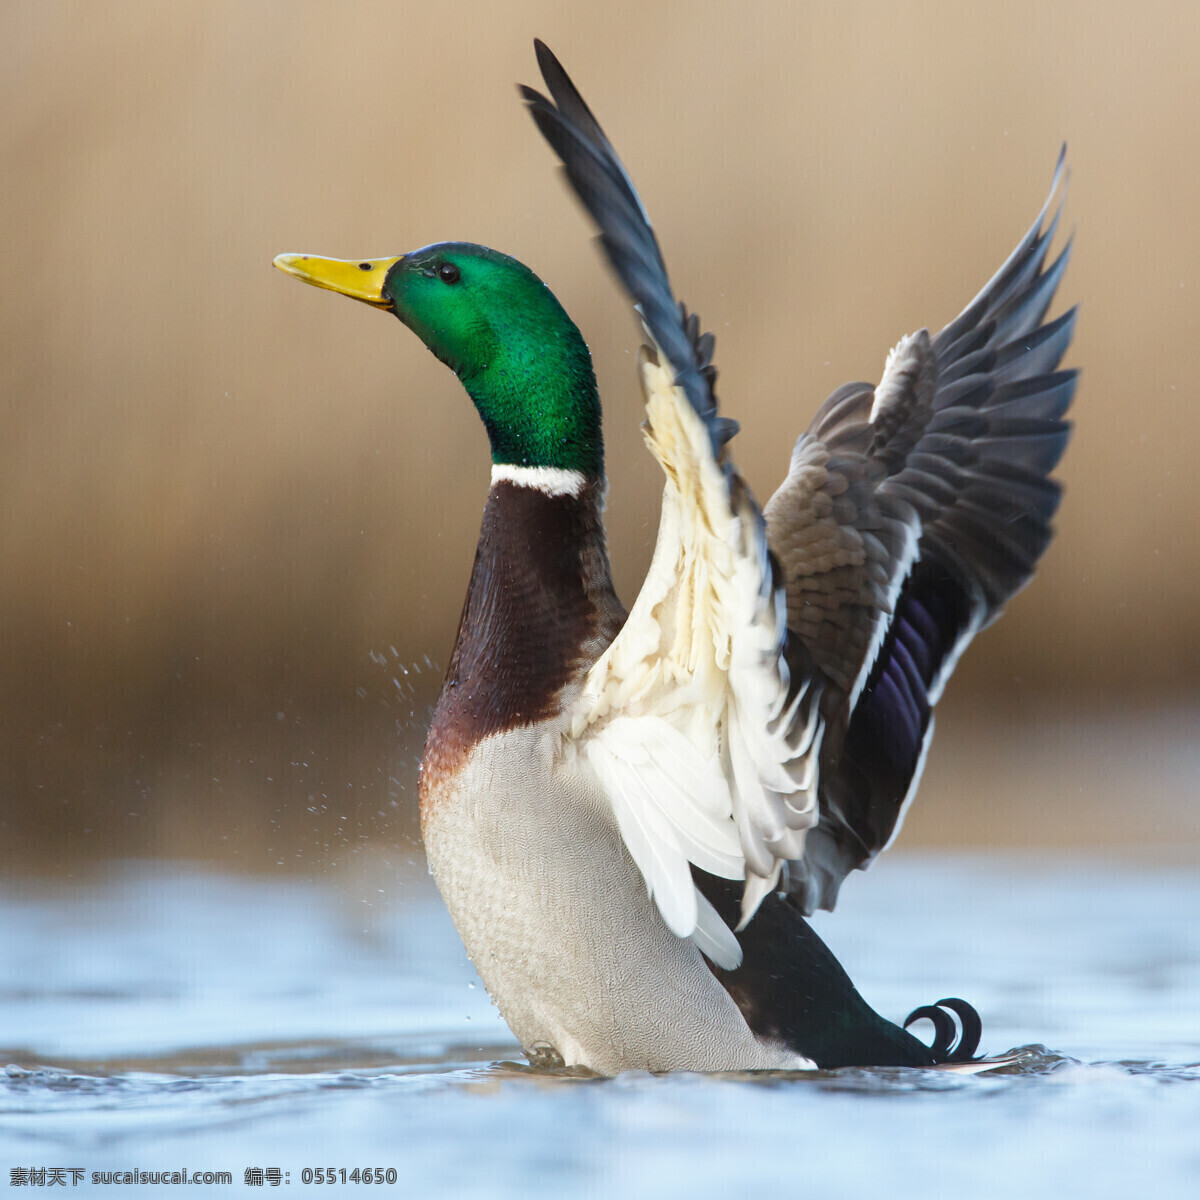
714 938
656 767
651 841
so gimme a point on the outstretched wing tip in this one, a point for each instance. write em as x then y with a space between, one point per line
602 185
1060 180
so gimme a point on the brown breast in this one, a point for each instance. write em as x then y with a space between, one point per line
539 610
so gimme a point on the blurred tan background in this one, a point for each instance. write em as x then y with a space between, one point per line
238 514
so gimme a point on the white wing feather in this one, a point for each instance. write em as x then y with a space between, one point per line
687 718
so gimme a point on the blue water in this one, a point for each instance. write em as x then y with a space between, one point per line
166 1016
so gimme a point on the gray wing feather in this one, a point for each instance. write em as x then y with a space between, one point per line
976 482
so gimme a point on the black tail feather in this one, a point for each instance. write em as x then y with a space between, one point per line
945 1049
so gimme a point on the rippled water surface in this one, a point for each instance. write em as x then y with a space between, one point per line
167 1017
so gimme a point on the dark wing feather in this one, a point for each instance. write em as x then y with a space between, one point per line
977 481
598 178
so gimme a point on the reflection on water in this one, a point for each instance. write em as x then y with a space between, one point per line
167 1016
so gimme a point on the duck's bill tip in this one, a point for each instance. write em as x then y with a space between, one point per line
360 279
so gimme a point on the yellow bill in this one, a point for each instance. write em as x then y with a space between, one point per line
360 279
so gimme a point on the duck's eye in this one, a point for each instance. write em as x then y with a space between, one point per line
449 273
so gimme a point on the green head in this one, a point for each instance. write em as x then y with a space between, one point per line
499 328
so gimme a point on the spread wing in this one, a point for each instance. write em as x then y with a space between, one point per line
767 704
700 721
911 513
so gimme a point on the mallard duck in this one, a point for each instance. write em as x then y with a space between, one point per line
630 814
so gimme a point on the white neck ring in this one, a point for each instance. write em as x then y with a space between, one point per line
550 481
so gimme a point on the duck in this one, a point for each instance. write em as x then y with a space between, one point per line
631 813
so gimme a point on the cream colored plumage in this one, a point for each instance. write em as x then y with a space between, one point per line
689 717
